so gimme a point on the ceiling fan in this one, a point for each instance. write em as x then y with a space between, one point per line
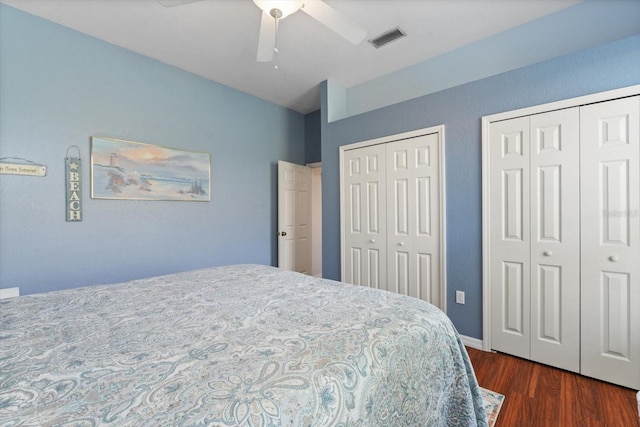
275 10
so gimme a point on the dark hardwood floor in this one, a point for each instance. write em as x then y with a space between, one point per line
539 395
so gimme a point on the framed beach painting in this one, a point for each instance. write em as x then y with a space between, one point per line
135 171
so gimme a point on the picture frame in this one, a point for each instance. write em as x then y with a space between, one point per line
128 170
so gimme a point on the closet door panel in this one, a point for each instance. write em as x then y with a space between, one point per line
413 217
555 238
610 294
510 242
399 205
364 196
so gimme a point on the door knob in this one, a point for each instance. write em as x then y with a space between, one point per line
401 243
372 241
282 233
614 258
547 253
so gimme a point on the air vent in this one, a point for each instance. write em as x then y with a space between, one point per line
387 37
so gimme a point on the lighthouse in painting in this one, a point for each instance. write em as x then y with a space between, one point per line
113 161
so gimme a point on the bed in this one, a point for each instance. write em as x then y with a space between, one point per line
243 345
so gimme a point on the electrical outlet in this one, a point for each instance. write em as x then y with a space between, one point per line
460 297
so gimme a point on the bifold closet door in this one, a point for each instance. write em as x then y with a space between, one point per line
555 238
610 295
510 241
365 221
413 218
535 237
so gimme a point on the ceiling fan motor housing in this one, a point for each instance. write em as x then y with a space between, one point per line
279 9
276 13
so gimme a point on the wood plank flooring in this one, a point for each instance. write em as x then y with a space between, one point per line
539 395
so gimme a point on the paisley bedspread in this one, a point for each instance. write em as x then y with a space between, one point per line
232 346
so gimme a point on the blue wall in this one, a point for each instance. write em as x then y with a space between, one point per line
584 25
312 140
460 109
58 87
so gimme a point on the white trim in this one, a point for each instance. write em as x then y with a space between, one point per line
486 232
566 103
443 221
392 138
9 293
439 130
343 273
486 165
472 342
316 219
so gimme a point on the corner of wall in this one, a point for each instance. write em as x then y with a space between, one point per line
336 102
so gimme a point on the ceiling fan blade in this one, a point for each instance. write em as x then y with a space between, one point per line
267 40
172 3
335 20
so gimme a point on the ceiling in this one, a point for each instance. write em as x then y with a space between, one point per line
217 39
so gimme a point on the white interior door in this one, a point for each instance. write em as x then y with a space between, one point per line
510 237
392 216
610 295
413 215
600 197
364 211
555 238
294 217
535 237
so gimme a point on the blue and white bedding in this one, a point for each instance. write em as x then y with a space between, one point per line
232 346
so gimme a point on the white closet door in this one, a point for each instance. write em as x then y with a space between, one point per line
413 215
555 238
610 296
365 258
510 242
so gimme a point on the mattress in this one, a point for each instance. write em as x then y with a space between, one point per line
243 345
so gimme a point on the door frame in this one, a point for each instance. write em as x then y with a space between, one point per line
486 193
316 219
439 131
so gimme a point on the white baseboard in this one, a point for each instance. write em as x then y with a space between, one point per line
471 342
9 293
